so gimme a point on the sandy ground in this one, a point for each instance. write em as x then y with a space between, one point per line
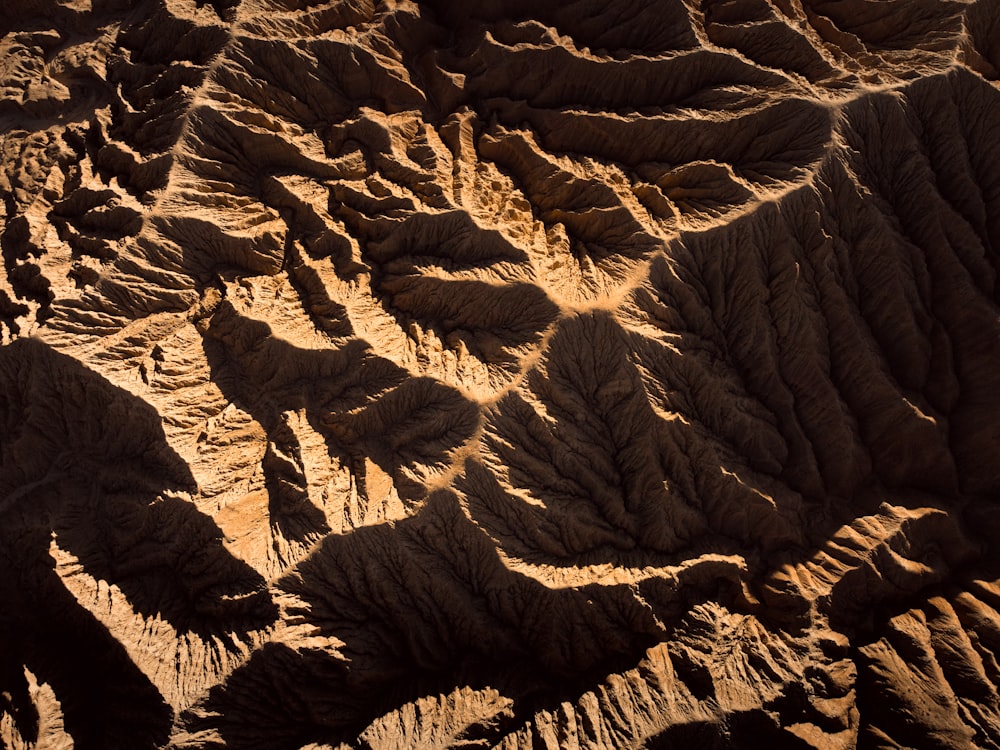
502 374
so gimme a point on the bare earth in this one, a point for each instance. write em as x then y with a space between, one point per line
514 373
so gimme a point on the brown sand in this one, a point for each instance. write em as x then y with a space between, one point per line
515 373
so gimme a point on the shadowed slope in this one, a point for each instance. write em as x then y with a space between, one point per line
505 374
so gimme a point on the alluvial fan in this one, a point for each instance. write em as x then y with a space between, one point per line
513 374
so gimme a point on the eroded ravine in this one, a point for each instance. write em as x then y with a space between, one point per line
508 375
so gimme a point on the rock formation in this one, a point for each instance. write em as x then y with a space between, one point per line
511 373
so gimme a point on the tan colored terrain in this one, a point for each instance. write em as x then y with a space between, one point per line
514 373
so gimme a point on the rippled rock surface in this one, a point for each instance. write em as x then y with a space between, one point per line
514 374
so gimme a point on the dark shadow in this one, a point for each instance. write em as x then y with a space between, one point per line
106 701
86 464
422 606
363 405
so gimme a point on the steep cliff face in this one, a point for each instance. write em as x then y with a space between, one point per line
503 374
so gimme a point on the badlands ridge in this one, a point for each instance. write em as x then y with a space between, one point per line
515 374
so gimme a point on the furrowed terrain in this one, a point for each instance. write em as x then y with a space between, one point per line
499 374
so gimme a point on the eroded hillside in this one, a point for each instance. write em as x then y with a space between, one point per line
500 374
